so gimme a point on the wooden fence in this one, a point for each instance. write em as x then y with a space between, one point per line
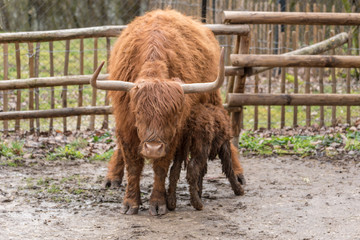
34 83
290 62
268 38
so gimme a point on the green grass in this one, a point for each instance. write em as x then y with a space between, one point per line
53 189
298 144
103 157
67 152
12 150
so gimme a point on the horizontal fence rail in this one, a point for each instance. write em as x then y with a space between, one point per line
68 112
240 99
47 82
320 47
267 60
55 113
76 80
294 18
104 31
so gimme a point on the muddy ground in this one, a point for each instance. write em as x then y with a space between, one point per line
286 198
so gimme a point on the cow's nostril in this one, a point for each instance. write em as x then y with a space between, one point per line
153 149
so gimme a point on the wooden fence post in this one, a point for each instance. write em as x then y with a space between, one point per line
31 90
239 87
64 89
5 92
18 76
52 89
81 87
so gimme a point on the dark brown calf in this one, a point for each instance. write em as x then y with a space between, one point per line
207 134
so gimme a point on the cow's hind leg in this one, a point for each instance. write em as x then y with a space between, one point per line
225 155
115 173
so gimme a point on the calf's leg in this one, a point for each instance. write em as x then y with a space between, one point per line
194 177
225 155
238 170
173 179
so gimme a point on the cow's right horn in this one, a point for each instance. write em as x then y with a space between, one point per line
208 86
113 85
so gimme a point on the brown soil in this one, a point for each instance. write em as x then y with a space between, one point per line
286 198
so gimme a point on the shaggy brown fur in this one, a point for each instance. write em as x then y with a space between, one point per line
207 134
155 51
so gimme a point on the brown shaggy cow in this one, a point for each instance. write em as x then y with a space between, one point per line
154 62
207 134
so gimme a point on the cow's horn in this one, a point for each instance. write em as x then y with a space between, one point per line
209 86
109 84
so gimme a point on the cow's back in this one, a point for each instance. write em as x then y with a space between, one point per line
189 49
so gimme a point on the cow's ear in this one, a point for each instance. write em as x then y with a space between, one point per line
178 80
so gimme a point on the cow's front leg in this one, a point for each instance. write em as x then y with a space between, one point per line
115 173
132 199
158 195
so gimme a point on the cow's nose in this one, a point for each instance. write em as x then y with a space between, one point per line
153 150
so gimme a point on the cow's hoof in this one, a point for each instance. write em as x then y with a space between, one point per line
156 209
114 184
241 179
238 189
171 202
196 203
128 210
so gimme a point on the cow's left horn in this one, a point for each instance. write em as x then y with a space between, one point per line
209 86
109 84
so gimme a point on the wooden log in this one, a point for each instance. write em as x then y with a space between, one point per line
5 93
94 90
296 82
54 113
103 31
314 49
269 47
18 75
47 81
291 18
73 80
283 78
267 60
36 90
348 82
31 90
241 99
64 88
80 97
230 85
321 83
105 124
307 84
239 87
256 87
333 83
234 71
223 29
67 112
52 90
